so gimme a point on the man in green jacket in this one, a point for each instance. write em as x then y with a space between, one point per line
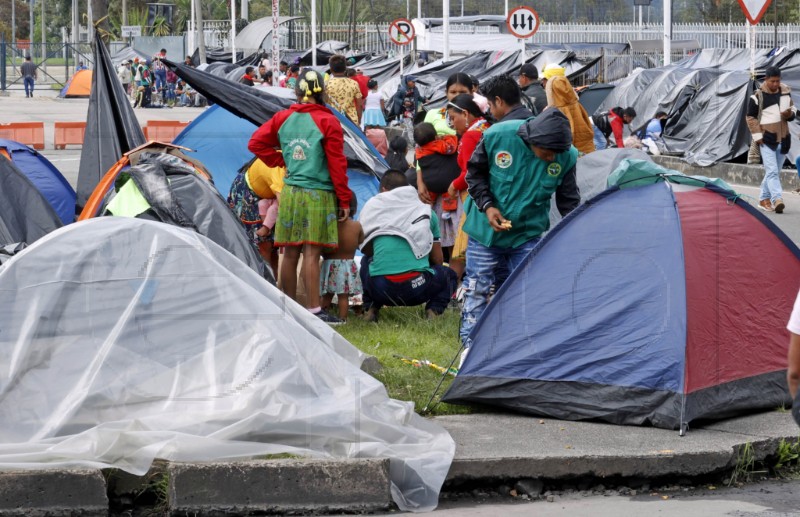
511 177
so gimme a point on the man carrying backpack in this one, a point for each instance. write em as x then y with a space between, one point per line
611 122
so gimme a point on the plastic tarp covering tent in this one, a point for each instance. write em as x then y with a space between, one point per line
739 59
177 195
240 371
592 172
706 110
25 215
127 54
111 125
258 33
431 79
673 340
45 177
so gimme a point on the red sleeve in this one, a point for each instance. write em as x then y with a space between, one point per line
469 141
264 143
333 144
616 127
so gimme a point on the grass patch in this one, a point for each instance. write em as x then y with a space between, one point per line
405 331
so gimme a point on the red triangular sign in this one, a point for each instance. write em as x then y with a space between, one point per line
754 9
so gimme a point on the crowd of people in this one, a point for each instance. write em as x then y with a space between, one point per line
465 198
150 83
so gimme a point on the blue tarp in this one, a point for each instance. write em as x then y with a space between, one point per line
45 177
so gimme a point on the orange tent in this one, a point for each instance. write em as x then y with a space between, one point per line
79 86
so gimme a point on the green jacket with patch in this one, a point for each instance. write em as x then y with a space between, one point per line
520 186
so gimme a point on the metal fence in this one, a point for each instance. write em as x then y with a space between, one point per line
56 61
373 37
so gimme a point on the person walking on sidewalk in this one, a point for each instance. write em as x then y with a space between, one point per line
29 75
768 113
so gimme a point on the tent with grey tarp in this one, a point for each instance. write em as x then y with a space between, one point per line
148 341
25 214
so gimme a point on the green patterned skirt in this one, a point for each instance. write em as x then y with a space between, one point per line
307 216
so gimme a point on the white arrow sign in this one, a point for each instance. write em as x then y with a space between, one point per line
754 9
523 22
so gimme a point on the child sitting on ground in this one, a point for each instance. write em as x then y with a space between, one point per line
437 159
339 272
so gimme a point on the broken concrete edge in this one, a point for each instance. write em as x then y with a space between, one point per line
694 464
735 173
263 486
53 493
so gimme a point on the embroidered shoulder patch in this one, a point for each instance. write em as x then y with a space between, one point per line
503 159
554 169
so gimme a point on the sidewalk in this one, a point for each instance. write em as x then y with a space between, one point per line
489 448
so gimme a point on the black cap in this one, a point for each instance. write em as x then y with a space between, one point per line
529 71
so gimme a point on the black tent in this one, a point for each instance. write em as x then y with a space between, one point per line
111 126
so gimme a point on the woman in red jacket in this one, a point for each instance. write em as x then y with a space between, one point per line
312 144
469 123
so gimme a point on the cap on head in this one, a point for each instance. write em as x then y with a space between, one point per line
529 71
411 78
553 70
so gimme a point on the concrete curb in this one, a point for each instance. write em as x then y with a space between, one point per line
735 173
285 485
53 493
555 449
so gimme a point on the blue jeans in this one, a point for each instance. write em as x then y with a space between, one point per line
28 82
161 80
773 163
484 265
600 140
433 289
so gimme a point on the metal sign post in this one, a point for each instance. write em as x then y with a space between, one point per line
522 22
401 32
753 10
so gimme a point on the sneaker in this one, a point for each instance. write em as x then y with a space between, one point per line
766 205
778 206
329 318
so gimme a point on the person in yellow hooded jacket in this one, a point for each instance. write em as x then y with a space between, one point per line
561 95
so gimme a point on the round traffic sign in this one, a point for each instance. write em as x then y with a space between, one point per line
401 31
523 22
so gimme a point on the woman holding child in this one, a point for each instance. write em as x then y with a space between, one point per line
312 144
448 209
469 123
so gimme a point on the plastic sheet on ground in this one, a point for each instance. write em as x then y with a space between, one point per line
148 341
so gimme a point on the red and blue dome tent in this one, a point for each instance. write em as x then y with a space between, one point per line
661 301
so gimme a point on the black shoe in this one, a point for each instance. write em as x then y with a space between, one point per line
329 318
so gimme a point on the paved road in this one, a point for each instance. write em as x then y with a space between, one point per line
765 499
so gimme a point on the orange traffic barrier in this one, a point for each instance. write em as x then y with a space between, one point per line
164 130
69 133
28 133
